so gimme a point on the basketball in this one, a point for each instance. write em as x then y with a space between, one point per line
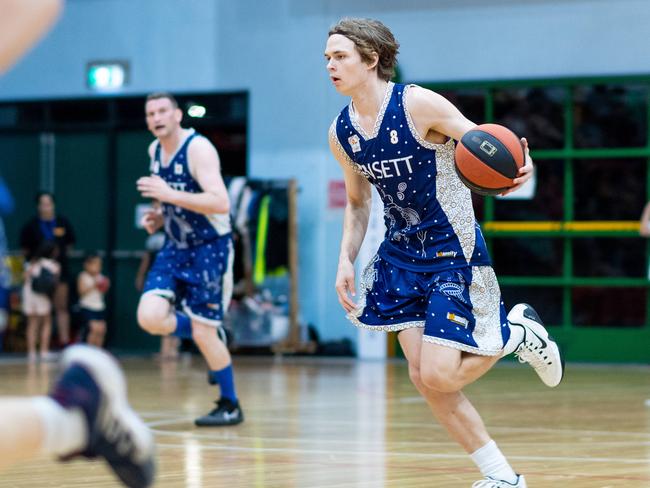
488 158
103 283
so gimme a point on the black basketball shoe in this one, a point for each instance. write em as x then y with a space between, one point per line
227 412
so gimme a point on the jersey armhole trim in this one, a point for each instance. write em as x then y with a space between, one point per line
335 138
414 131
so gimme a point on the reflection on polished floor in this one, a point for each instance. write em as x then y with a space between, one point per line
316 423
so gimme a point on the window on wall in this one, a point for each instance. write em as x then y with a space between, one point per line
608 306
610 115
609 188
574 248
470 101
604 257
548 202
521 256
536 113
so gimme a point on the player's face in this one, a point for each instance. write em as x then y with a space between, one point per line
163 119
345 66
93 266
46 207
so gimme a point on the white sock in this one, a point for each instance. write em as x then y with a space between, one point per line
516 338
64 430
491 461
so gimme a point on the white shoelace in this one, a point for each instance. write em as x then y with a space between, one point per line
486 483
526 354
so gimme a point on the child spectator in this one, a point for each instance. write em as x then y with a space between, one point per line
41 277
91 286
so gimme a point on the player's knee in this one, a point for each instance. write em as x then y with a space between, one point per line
440 379
202 333
151 319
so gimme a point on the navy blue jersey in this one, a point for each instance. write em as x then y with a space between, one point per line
430 222
185 228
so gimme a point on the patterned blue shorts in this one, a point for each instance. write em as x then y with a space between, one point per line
459 308
198 279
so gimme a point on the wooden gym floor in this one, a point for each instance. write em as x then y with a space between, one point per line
313 423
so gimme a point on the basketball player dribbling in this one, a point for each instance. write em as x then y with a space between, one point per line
189 286
431 280
86 412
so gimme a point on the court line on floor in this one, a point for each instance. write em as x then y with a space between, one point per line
546 430
230 436
339 452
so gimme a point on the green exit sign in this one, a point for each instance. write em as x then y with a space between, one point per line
107 75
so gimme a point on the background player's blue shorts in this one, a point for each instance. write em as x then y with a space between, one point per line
197 279
459 308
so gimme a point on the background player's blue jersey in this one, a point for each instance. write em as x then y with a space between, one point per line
185 228
428 211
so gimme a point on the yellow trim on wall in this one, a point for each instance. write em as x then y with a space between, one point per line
559 226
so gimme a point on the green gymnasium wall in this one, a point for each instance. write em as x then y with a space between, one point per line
90 152
20 168
574 251
98 198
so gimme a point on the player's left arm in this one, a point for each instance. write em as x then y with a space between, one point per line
205 168
431 111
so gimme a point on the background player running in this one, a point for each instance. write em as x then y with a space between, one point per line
189 286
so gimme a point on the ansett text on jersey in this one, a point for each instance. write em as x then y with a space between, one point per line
428 211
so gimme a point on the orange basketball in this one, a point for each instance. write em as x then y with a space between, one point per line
488 158
103 283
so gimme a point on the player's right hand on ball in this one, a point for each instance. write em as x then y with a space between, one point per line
345 285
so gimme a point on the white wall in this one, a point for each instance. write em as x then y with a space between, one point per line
274 48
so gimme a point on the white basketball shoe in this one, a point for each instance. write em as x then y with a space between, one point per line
537 348
92 381
488 482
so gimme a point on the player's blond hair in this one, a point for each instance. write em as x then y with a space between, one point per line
371 36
